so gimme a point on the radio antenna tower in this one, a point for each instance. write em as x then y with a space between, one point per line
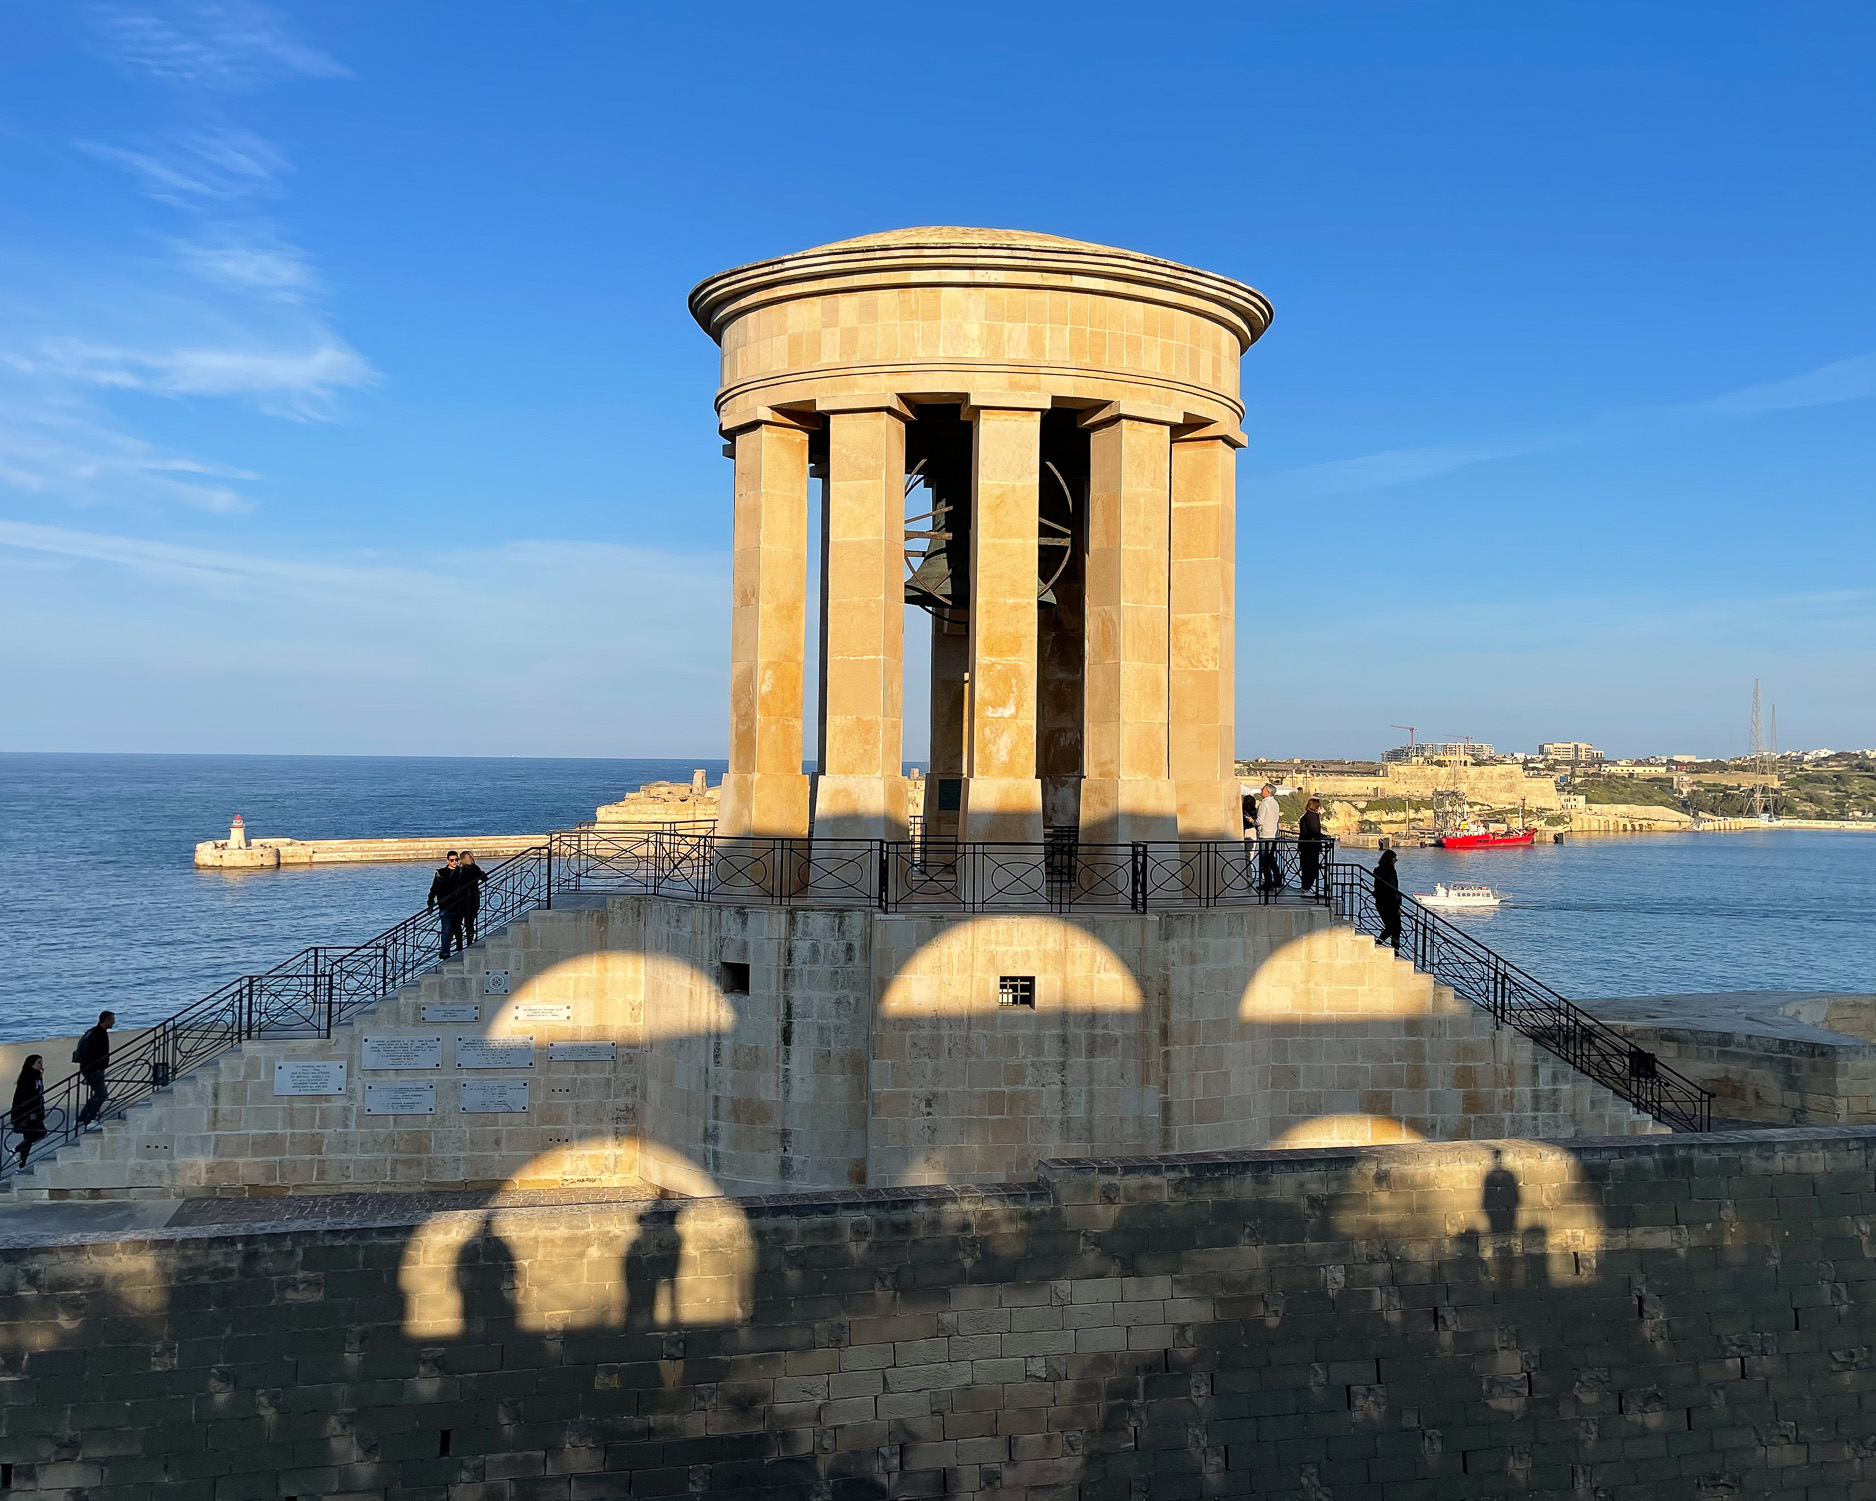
1760 800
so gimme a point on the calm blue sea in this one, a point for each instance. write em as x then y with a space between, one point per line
103 907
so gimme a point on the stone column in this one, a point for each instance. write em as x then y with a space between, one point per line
1002 792
765 791
1201 730
860 792
1127 792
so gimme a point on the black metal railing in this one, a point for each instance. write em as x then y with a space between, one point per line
322 988
325 987
1455 958
308 995
1062 874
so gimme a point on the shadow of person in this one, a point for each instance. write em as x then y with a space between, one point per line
486 1273
651 1272
1500 1199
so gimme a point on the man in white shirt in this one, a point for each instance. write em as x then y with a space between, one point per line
1269 873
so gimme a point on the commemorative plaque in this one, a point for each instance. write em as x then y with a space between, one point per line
309 1078
401 1052
495 1052
582 1052
400 1099
494 1096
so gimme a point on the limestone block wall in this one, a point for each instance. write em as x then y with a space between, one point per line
1682 1317
1814 1078
223 1129
1202 1030
867 1049
766 1088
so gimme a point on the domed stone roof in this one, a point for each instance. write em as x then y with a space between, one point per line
960 234
939 254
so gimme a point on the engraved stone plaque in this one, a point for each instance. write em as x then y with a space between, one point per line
495 982
401 1052
494 1096
495 1052
309 1078
400 1099
583 1052
452 1012
541 1011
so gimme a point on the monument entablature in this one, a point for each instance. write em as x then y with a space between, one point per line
943 314
1031 438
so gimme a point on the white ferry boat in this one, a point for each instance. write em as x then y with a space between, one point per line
1460 895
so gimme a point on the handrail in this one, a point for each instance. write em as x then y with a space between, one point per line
307 995
1525 1004
324 987
1061 874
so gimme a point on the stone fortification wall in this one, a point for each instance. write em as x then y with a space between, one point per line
1489 786
1676 1318
1781 1058
867 1049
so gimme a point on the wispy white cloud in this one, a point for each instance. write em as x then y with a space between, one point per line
65 454
292 382
441 578
222 44
1845 380
201 169
467 652
229 312
268 268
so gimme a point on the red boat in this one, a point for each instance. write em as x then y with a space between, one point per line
1486 841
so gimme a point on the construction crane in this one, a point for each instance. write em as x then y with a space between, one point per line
1410 734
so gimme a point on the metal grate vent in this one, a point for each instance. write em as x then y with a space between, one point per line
1016 990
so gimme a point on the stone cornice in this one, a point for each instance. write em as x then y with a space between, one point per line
1008 260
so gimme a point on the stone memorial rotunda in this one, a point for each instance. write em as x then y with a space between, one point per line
1072 953
1067 413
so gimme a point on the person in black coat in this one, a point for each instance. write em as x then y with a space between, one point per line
1387 899
93 1057
446 900
472 876
1309 843
28 1115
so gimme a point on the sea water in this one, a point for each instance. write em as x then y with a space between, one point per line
1669 914
103 907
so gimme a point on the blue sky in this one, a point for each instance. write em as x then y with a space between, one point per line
349 403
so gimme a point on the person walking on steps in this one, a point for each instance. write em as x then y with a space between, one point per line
472 876
1387 899
446 901
1309 843
1269 815
93 1057
29 1104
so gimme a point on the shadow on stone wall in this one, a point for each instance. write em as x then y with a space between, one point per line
1470 1317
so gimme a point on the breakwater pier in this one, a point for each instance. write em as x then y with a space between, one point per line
239 852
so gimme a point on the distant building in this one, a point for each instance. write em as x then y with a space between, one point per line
1441 750
1576 752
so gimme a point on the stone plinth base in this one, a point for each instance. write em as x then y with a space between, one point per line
710 1048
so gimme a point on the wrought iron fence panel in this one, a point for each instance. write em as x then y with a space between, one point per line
1515 999
842 871
924 872
1006 877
